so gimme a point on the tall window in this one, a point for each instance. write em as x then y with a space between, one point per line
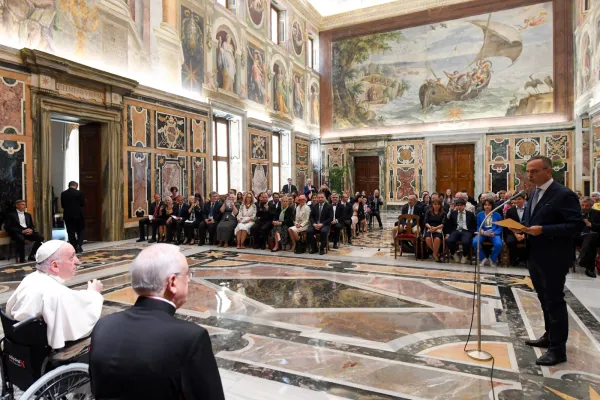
587 4
276 163
276 25
223 3
310 48
220 150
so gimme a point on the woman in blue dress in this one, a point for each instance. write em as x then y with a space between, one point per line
490 232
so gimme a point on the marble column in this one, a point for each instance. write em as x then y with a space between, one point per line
170 52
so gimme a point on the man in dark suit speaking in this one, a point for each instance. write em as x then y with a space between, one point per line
553 218
147 353
321 216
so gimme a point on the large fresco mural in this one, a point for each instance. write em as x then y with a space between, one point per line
491 65
192 43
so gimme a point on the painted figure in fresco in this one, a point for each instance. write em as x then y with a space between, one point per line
257 77
192 39
297 37
256 7
314 100
226 62
298 97
28 23
281 90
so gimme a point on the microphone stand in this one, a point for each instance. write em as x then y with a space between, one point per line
478 354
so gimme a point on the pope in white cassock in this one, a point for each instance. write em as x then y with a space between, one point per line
69 314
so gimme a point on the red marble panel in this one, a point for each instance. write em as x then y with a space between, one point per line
12 106
405 183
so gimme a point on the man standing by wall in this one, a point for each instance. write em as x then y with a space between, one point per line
375 203
553 218
72 201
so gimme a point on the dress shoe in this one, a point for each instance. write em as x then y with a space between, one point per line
152 241
140 240
78 250
31 258
456 257
349 242
312 251
335 246
551 358
590 272
381 228
541 342
321 252
21 260
464 260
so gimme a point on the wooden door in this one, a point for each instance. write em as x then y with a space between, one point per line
455 168
90 179
366 174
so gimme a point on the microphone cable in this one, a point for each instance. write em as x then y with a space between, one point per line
471 328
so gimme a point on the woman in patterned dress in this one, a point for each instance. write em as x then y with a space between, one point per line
279 233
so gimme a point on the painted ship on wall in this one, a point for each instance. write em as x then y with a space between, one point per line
500 40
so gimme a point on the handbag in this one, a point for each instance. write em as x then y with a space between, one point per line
300 247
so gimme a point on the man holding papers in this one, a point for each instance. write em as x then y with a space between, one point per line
152 213
553 218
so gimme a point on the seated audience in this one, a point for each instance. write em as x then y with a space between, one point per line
194 218
269 195
19 226
321 216
511 238
413 207
364 213
178 217
239 200
461 227
279 233
246 218
150 220
145 352
212 215
435 218
264 222
355 214
468 205
301 221
469 199
165 213
325 189
69 314
425 199
313 200
228 222
339 216
490 232
347 216
448 198
588 240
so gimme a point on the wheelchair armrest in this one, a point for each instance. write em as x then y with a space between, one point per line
26 322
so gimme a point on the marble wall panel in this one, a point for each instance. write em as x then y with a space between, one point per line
586 152
499 149
138 126
499 176
405 183
260 177
171 171
404 172
12 106
13 166
301 177
527 147
170 131
198 136
139 183
560 173
199 175
557 146
302 153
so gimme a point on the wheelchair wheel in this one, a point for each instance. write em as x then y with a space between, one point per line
69 382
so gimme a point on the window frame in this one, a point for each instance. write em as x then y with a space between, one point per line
215 157
310 53
275 24
276 185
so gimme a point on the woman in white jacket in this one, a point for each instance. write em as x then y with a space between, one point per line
300 222
246 218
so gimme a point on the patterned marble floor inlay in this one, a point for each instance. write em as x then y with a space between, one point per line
341 327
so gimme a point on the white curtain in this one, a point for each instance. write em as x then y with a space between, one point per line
71 155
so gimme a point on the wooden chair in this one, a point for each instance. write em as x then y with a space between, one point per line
408 236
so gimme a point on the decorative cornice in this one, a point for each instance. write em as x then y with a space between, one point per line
397 8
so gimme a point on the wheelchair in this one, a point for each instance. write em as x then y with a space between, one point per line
29 364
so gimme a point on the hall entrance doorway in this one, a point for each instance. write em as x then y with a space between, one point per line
455 168
366 174
76 156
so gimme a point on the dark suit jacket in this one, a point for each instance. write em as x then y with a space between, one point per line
274 210
452 225
513 214
263 215
185 211
326 214
340 212
153 208
285 189
216 210
372 203
348 211
172 359
594 219
72 201
288 217
308 192
559 214
419 210
12 225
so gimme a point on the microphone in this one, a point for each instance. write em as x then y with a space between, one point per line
522 193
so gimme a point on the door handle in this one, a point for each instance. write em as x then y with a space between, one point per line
89 177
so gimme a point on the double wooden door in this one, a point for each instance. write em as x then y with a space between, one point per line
455 168
366 174
90 179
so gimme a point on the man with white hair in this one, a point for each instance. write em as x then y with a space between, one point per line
147 353
69 314
464 196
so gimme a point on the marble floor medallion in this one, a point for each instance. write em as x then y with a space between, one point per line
364 327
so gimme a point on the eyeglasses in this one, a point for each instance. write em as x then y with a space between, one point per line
189 275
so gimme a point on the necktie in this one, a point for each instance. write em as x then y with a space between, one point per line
461 218
179 212
376 203
410 210
289 188
534 200
156 207
320 209
212 205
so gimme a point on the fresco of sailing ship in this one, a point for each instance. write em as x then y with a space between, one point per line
499 40
484 66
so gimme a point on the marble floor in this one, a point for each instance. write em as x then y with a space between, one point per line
359 324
